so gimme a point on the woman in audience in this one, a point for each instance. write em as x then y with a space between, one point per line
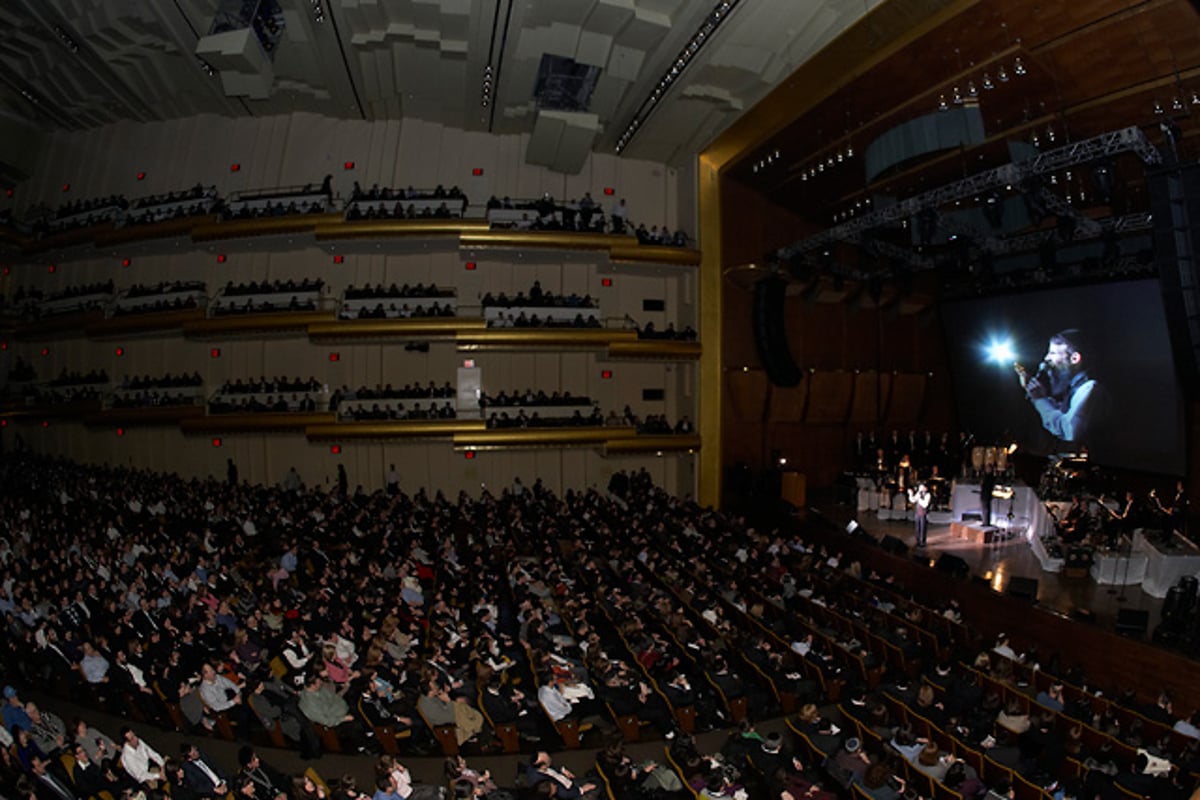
305 788
821 732
456 770
931 761
880 783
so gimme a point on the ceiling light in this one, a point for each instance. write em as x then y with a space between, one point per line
942 104
971 90
987 82
699 39
1158 109
849 151
1002 75
1176 104
1196 98
958 100
1018 67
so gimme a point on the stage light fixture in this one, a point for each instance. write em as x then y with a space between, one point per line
716 17
1000 351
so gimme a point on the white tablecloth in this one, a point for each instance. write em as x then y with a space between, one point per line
1164 569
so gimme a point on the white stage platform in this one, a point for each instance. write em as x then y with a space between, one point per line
1023 515
1165 566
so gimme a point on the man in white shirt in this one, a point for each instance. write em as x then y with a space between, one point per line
141 761
551 698
921 499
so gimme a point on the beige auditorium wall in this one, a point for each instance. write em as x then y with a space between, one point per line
302 148
432 466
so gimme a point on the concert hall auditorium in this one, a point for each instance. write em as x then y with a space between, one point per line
606 399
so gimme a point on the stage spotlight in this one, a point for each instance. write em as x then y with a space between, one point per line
1102 177
1000 351
993 209
1012 448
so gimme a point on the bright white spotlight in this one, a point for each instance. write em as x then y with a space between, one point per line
1001 352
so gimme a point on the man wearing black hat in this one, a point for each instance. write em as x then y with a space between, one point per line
776 762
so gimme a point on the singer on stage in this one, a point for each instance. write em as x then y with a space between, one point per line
1068 400
920 498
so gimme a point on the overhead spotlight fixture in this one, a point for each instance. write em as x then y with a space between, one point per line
1158 109
840 157
1018 66
1176 104
958 98
1002 74
821 167
1196 98
66 39
831 162
703 35
849 151
987 82
942 104
1035 141
804 176
972 91
1050 133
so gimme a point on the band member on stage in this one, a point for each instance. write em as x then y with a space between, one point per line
987 485
1176 513
1123 521
920 498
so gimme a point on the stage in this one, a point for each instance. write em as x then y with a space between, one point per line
1021 542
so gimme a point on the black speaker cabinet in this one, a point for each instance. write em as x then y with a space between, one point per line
1132 620
1022 588
953 565
891 544
770 332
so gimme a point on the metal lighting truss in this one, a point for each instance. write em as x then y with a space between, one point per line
1012 174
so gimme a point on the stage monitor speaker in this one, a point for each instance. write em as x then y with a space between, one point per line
1132 620
953 565
770 332
1022 588
891 544
1175 203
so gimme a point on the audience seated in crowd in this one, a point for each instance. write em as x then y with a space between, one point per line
648 331
278 394
624 599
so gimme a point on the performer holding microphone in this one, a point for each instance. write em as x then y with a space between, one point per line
1066 397
920 498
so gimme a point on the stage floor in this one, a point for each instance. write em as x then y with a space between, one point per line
998 563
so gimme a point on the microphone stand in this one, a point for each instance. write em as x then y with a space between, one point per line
1125 580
